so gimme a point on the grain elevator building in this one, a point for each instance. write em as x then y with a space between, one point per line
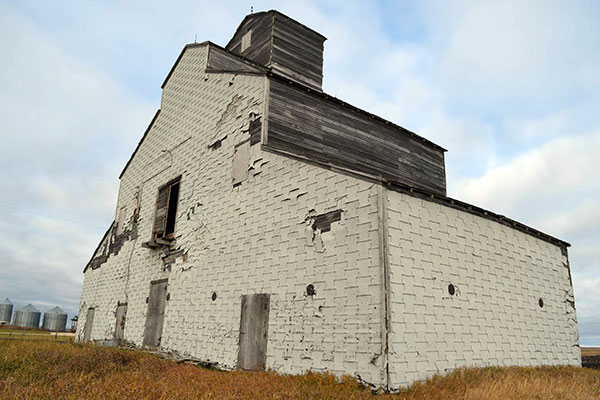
262 223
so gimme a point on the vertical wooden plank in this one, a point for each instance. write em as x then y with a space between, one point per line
121 316
254 327
121 221
89 323
160 218
241 159
156 313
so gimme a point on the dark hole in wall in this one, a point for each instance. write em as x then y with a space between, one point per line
541 303
173 197
451 289
254 130
310 290
214 296
323 221
217 144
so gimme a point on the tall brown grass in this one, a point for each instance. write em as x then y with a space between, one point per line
49 370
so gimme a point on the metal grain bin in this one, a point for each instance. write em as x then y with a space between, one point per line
27 317
55 320
6 309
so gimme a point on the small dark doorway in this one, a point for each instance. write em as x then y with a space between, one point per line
89 323
156 312
254 327
120 315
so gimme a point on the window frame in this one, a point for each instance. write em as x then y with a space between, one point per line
164 235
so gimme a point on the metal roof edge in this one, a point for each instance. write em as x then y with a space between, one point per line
475 210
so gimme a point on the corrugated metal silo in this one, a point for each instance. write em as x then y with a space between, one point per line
6 309
27 317
55 320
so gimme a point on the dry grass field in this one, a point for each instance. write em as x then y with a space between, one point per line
58 370
14 333
590 351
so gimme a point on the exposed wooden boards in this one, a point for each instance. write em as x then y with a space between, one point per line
222 60
254 327
241 157
120 316
259 50
297 52
310 125
89 324
155 315
285 46
255 130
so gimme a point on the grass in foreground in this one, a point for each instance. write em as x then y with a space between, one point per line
49 370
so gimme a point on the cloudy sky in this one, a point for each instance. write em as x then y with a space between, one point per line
510 88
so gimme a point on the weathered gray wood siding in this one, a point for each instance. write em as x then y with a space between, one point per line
219 60
297 52
285 46
254 328
259 51
311 125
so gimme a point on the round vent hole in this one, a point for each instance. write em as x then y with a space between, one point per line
451 289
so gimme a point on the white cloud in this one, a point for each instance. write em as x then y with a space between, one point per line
553 174
67 131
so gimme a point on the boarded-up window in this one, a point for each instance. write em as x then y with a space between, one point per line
120 315
246 41
121 221
241 157
254 328
255 130
155 315
166 210
89 323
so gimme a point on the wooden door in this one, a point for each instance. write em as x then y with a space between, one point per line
156 312
89 323
120 315
254 326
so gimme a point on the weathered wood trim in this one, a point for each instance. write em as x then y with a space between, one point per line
271 39
230 71
382 219
265 123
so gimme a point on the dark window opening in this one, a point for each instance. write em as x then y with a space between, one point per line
166 210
